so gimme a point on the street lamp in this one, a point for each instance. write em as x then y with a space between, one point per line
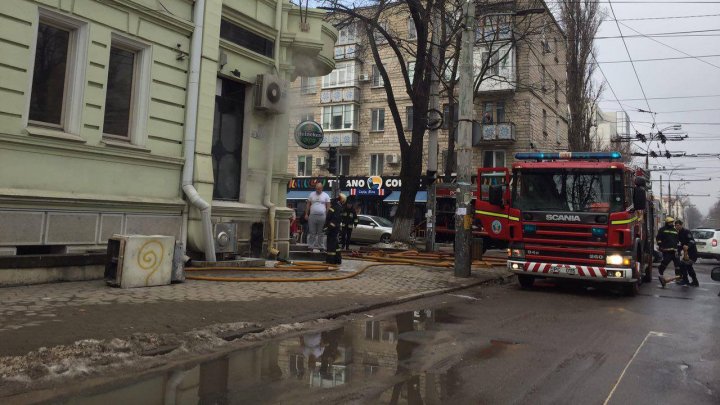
674 127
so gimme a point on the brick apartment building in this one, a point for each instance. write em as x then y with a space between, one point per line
522 107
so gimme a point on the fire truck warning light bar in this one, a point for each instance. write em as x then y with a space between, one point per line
567 155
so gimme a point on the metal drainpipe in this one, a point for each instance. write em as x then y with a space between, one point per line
271 146
190 132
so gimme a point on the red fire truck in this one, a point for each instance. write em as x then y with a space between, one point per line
572 215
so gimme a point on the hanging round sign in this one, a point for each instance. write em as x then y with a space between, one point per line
309 134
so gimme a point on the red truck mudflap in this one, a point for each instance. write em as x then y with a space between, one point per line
571 271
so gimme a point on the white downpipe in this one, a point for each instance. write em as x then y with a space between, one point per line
191 131
271 145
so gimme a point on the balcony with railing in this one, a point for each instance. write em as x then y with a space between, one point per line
503 132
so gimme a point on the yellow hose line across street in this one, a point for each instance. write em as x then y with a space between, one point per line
442 260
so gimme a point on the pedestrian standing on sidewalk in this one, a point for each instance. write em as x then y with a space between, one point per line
332 229
667 240
688 250
349 222
316 209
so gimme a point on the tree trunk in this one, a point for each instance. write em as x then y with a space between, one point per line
410 173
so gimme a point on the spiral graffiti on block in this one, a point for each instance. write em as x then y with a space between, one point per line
150 257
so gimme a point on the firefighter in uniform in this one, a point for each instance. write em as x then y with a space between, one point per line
332 230
349 222
688 250
667 240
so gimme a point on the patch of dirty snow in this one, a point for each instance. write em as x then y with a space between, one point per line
91 357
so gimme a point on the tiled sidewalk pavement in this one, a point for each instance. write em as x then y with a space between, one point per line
44 308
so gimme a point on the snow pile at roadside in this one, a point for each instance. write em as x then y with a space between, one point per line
91 356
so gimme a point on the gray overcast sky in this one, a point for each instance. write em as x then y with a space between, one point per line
669 78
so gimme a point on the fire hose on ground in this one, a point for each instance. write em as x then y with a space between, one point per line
442 260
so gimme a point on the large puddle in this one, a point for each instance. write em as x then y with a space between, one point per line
408 358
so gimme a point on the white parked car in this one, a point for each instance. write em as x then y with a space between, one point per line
372 229
708 242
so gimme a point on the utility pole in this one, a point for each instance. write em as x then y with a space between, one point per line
661 190
463 215
669 200
434 104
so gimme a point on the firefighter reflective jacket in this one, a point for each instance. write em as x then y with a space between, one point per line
349 218
667 237
332 220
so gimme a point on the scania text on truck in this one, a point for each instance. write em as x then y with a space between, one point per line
572 215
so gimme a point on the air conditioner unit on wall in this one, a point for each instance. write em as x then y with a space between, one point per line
139 260
225 236
320 161
271 94
364 78
392 159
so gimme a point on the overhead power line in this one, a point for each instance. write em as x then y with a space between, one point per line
651 2
658 34
660 59
673 48
669 97
627 50
669 17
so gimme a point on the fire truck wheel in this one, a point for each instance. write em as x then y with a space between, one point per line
631 289
647 277
526 282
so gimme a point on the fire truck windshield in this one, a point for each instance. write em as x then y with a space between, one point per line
568 190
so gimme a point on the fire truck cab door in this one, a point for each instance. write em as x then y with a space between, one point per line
493 214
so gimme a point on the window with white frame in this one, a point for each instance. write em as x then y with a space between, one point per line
377 119
304 166
379 37
127 90
343 165
308 85
446 116
412 30
409 118
377 80
377 161
341 116
342 75
58 72
494 158
490 63
411 71
347 35
372 330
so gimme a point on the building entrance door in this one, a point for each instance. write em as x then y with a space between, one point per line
227 139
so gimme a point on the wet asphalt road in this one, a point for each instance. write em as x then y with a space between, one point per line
572 345
549 345
486 345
